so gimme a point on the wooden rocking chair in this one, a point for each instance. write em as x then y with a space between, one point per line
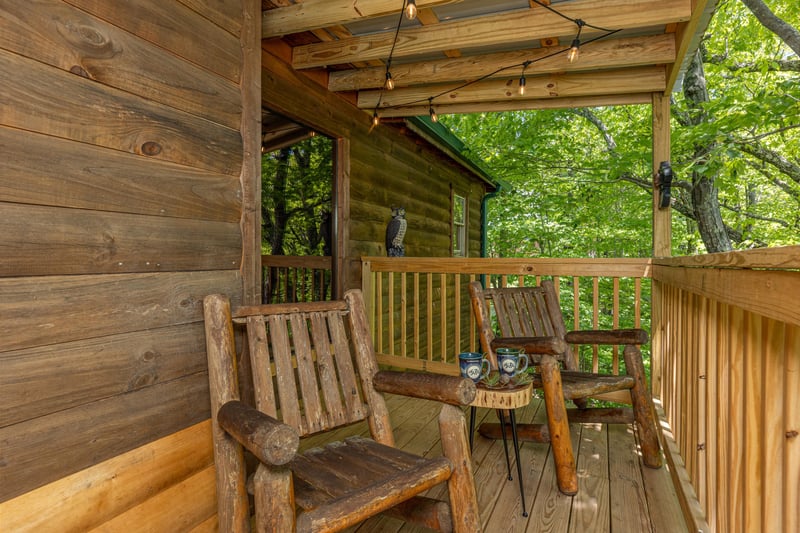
314 369
530 318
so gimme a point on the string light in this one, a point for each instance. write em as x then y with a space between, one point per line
411 9
575 48
522 81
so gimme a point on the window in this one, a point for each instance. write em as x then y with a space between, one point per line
459 226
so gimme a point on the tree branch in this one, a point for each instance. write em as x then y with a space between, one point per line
776 25
754 216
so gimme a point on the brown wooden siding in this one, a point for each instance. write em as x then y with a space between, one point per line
120 208
387 168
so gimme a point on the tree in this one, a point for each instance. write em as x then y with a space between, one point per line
735 145
296 198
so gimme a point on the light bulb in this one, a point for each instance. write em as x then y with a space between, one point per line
411 9
434 116
389 81
522 85
574 51
375 119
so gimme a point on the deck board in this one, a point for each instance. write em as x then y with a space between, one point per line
615 490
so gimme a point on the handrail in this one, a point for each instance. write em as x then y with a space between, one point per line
421 315
290 279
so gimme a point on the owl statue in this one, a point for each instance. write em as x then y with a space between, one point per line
395 231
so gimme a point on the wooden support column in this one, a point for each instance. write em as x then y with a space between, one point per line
662 230
250 84
341 216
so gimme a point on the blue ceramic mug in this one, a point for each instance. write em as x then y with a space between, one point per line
511 361
473 365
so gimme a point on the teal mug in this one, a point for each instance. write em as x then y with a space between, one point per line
511 361
473 365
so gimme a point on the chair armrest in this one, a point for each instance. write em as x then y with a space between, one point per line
272 441
532 345
611 336
454 390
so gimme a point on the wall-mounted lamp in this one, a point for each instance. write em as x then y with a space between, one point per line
665 176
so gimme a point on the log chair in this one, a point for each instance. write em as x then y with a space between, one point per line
530 318
314 370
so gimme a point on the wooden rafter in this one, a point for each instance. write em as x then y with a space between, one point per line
612 53
312 14
494 30
623 81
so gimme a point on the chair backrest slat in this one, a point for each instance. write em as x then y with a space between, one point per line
315 418
327 369
259 356
284 372
344 365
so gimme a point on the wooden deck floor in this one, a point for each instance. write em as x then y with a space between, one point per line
616 492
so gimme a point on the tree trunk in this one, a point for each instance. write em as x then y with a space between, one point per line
705 202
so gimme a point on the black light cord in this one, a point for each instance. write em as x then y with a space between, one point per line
525 64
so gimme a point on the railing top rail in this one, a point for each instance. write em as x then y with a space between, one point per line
783 258
296 261
626 267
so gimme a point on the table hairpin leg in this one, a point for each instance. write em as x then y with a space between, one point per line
505 441
514 437
471 426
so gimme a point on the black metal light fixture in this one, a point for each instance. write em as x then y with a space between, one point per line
665 176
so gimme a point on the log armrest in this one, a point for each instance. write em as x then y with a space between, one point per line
611 336
272 441
532 345
454 390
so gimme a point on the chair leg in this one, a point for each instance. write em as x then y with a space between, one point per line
461 486
274 500
643 411
558 423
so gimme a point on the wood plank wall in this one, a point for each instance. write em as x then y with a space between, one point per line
727 370
120 208
386 168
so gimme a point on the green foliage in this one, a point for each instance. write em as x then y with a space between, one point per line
578 192
296 198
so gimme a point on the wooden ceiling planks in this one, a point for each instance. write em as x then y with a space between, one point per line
484 45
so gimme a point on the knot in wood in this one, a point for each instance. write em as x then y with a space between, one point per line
151 148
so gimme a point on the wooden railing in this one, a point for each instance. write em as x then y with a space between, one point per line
296 278
422 318
726 365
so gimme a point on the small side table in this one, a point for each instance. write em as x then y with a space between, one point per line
503 400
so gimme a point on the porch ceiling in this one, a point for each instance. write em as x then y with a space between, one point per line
468 55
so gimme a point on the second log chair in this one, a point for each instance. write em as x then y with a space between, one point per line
530 318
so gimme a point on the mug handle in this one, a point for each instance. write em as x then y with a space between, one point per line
524 359
485 367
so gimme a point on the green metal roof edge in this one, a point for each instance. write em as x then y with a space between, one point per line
455 147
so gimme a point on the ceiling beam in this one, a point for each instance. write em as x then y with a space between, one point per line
520 105
610 53
314 14
622 81
508 28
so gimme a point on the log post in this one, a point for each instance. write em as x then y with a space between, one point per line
463 496
643 408
232 506
557 420
274 500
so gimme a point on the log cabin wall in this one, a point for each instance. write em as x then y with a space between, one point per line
122 180
385 166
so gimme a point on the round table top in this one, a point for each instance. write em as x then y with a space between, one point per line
503 398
